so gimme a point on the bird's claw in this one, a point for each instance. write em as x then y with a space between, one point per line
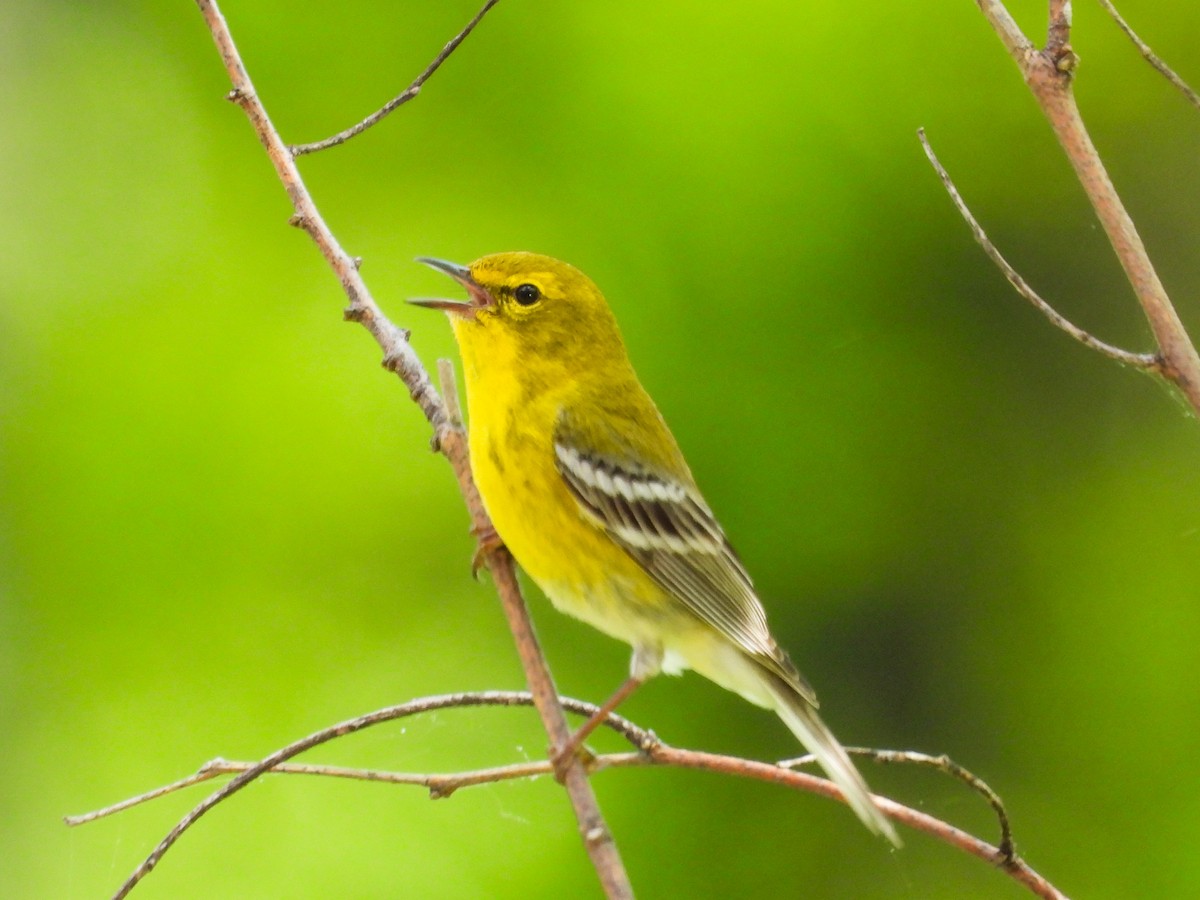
487 541
563 755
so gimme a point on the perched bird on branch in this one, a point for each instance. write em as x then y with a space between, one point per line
587 488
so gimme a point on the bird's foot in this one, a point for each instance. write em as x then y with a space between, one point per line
487 540
563 755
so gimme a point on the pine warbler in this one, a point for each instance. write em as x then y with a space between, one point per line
586 486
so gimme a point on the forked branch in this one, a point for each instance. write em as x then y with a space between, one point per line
648 751
1049 73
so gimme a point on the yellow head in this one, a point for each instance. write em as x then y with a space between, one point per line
531 319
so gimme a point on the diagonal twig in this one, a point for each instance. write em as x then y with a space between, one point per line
1151 57
1147 361
403 97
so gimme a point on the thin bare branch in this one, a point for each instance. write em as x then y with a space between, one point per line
204 774
1151 57
940 763
403 97
350 726
649 752
399 357
438 785
1049 73
1015 41
1016 868
1147 361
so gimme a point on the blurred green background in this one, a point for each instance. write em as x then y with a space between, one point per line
221 527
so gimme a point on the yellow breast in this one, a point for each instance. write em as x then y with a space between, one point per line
512 455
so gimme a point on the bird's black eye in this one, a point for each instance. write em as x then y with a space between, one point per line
527 294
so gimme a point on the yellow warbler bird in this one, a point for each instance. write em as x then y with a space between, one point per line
586 486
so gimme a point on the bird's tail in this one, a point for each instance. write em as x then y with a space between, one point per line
799 714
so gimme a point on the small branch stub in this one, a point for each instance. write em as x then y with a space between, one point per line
1066 60
1058 31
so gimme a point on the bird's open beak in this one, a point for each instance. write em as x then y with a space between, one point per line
478 296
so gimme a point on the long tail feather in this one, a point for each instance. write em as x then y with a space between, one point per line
801 717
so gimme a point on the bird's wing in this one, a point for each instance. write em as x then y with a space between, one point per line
665 525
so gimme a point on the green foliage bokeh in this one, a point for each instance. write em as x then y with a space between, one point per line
221 528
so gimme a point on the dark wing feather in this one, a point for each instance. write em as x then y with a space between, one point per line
665 525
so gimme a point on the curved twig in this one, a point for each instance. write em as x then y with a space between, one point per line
649 751
427 704
399 100
1147 361
941 763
